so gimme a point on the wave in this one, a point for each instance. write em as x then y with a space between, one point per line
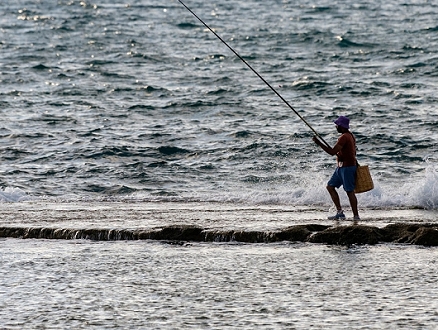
420 192
345 43
171 150
187 26
41 67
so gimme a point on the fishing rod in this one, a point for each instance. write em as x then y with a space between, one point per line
258 75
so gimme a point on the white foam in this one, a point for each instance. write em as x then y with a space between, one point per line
426 192
10 194
416 192
420 191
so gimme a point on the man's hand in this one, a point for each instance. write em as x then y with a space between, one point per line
331 151
316 140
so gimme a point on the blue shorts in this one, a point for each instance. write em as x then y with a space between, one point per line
344 176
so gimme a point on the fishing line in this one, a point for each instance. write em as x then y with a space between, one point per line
258 75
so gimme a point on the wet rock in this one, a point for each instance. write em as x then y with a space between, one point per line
348 235
299 233
218 236
316 227
398 232
240 236
177 233
13 232
294 234
143 234
91 234
62 234
253 237
424 236
419 234
58 233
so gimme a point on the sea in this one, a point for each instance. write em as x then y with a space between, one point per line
122 114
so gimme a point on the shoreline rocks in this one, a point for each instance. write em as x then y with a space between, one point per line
406 233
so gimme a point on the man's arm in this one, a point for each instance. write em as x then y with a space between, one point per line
331 151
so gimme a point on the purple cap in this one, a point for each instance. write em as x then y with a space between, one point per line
343 122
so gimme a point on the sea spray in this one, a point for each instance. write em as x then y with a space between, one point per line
426 193
10 194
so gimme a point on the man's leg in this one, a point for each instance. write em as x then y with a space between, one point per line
335 197
353 202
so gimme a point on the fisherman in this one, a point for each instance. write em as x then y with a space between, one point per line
345 173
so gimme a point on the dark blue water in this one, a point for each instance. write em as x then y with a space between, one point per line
116 99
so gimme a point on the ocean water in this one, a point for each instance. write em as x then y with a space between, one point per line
138 99
132 285
116 113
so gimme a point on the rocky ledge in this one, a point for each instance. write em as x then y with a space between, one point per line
418 234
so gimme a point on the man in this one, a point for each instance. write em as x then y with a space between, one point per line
345 173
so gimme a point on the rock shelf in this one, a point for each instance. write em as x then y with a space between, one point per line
417 234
